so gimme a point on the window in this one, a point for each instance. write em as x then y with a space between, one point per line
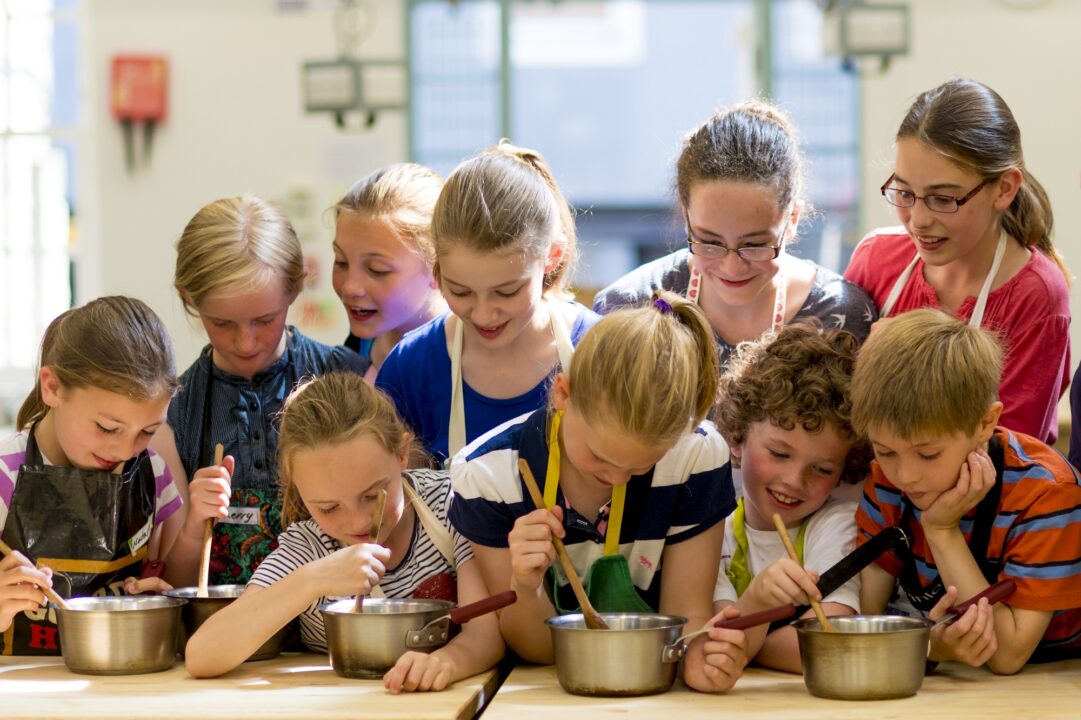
38 92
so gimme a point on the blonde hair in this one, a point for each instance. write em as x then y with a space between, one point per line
506 199
237 243
800 376
328 410
651 370
925 373
114 343
403 195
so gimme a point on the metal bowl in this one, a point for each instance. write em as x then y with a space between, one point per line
870 657
627 659
368 643
124 635
197 610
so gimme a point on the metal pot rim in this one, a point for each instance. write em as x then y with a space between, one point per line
137 603
905 624
345 607
563 623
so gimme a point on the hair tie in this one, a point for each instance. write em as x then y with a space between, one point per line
662 305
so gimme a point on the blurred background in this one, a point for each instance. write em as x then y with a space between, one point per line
294 100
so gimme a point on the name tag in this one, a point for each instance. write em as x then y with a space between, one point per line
242 516
142 537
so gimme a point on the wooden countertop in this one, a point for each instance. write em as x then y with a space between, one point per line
955 691
294 685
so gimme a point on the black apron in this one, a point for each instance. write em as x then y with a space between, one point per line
923 597
92 527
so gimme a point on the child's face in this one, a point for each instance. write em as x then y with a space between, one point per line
247 328
496 294
383 284
925 467
942 238
97 429
339 485
788 472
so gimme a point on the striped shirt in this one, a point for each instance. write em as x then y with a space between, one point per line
1035 539
13 456
687 492
422 573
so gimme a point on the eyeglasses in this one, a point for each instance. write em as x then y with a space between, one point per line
934 203
710 250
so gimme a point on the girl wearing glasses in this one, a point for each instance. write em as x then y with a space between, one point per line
976 243
739 180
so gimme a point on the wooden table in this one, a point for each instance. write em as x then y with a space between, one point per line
954 691
294 685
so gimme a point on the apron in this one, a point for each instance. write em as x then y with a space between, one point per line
250 532
922 597
739 572
981 299
608 582
456 431
780 299
437 531
92 527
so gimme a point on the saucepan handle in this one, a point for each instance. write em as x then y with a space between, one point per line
999 591
677 648
465 613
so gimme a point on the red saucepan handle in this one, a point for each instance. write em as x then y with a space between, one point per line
1000 590
465 613
759 618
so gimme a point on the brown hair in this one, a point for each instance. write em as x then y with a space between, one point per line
800 377
506 198
333 408
114 343
651 370
402 194
971 125
925 373
236 243
750 142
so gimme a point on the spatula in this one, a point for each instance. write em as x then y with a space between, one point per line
593 619
373 535
208 538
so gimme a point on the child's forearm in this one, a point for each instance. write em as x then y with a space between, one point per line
477 648
182 562
522 625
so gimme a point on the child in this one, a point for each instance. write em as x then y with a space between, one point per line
637 483
504 241
976 243
784 410
739 182
238 269
79 491
341 443
383 257
980 502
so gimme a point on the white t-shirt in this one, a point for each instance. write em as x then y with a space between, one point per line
831 535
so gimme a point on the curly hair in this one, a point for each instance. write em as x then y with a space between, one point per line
800 376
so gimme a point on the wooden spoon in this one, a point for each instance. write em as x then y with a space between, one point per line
373 535
823 621
49 592
208 537
593 620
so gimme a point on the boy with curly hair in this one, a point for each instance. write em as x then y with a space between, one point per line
981 503
785 413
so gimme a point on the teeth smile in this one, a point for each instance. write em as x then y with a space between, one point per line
783 498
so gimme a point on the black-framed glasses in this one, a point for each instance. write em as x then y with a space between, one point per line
935 203
710 250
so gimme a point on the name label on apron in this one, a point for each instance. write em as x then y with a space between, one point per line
242 516
142 537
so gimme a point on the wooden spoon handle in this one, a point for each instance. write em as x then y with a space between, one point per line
373 536
208 538
823 621
49 592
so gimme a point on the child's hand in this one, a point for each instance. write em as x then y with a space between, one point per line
976 478
417 671
208 495
353 570
970 639
716 660
138 586
784 581
20 584
531 548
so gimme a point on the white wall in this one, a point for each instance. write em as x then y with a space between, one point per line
1029 55
236 124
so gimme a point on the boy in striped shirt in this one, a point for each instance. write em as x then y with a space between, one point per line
980 502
